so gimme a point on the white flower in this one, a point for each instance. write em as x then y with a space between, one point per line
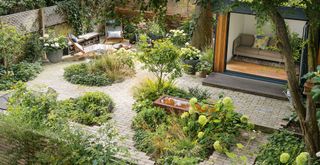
57 45
187 44
46 44
55 39
52 45
46 35
318 154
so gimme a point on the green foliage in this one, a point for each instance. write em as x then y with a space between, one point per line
11 45
297 45
93 108
190 53
178 37
33 48
176 140
280 142
22 71
162 59
155 29
314 77
103 71
79 74
83 15
149 119
188 27
52 42
13 6
199 93
41 135
206 61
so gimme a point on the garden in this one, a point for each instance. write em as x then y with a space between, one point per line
134 95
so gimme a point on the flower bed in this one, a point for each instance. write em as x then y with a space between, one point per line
190 137
110 68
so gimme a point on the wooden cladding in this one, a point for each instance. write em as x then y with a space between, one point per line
319 56
221 43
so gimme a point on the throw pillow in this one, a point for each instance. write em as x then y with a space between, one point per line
261 42
73 38
114 34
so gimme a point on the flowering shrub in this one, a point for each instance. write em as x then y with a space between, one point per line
192 136
51 43
190 53
178 37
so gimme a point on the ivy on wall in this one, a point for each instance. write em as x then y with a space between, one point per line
14 6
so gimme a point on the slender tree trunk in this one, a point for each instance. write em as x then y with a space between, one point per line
306 116
203 32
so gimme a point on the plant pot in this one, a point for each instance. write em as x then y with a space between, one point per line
192 63
133 39
202 74
55 56
154 36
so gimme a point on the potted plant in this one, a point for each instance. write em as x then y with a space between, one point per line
178 37
54 47
155 31
191 57
204 68
312 85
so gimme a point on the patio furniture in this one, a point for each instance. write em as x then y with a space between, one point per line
83 40
114 32
243 46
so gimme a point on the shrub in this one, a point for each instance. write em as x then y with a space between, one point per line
176 139
11 45
103 71
39 134
200 94
178 37
25 71
79 74
149 119
148 90
278 143
93 108
33 48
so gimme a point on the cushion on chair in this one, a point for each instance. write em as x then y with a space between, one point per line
261 42
246 40
114 34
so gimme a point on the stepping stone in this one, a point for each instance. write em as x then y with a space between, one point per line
3 102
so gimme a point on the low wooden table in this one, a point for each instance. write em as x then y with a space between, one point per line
173 104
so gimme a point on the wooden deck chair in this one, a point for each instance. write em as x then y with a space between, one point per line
114 32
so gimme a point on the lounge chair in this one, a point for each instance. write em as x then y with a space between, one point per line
114 32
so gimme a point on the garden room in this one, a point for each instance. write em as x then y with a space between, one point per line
252 50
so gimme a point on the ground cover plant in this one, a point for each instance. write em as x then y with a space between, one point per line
283 148
93 108
41 135
105 70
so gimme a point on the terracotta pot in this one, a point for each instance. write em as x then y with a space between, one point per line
308 85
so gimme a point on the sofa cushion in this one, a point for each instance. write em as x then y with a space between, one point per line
269 53
246 50
246 40
261 42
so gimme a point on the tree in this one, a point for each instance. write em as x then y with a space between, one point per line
306 113
203 31
162 59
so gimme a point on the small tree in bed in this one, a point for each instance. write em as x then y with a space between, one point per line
161 58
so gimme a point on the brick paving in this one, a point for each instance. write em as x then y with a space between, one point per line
261 110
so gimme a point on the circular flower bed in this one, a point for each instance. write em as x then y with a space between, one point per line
109 68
